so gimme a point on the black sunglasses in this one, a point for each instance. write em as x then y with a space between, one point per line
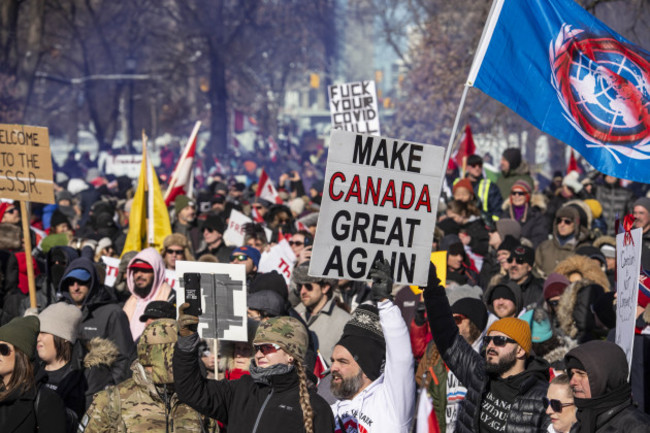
520 260
556 405
498 340
5 350
307 286
296 243
560 220
518 193
176 252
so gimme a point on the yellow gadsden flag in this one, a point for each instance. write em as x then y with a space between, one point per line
149 218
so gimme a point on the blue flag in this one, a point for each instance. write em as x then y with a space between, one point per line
571 76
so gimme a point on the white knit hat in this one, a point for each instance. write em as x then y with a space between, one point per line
62 320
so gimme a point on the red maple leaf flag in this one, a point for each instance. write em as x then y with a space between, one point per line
273 149
573 164
266 190
182 181
466 148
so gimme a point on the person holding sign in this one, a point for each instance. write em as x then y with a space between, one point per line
274 398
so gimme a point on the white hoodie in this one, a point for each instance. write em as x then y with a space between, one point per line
388 403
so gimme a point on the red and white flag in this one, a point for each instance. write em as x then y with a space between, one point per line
273 149
182 181
266 190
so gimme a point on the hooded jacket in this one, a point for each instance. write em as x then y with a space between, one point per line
514 287
160 290
506 180
574 314
22 414
102 317
533 223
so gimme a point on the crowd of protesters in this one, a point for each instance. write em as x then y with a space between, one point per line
517 338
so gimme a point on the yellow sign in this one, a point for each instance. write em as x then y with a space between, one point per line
26 164
314 81
439 259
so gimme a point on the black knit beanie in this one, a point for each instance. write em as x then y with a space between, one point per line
513 156
502 292
364 339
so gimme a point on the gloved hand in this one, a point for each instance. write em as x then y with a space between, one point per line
382 280
187 323
419 317
432 279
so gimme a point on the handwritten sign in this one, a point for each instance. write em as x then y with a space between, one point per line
26 164
628 266
353 107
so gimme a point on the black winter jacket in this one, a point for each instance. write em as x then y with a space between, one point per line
526 414
244 405
622 418
19 413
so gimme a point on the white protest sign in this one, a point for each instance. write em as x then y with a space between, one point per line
353 107
112 268
628 268
234 234
223 299
379 201
124 165
279 258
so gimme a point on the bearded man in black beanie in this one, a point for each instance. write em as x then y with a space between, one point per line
372 365
602 393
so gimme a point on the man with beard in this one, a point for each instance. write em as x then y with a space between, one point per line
145 278
505 388
372 365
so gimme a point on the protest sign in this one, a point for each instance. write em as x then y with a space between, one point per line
439 260
379 201
124 165
26 164
234 234
628 268
279 258
353 107
112 269
223 299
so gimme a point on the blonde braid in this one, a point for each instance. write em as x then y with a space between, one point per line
305 404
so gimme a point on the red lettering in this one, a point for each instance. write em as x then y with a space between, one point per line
424 199
337 175
389 195
405 186
355 190
371 190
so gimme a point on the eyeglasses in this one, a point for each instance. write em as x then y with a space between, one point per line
209 229
12 210
521 193
240 257
5 350
176 252
556 405
560 220
307 286
458 318
296 243
554 303
519 260
498 340
266 348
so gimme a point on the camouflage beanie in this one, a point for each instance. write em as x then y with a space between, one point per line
156 349
286 332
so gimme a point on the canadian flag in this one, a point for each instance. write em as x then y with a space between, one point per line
182 181
273 149
266 190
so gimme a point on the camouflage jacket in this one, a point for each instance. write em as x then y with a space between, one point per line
134 406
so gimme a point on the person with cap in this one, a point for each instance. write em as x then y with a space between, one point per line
104 248
319 309
255 236
101 315
158 310
614 199
185 224
447 392
470 226
372 365
26 405
607 246
526 208
264 304
548 343
520 272
486 192
598 372
274 397
505 388
147 401
504 299
175 247
250 258
641 213
145 278
459 268
513 168
59 223
554 287
213 228
491 263
9 212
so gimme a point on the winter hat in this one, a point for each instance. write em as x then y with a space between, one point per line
75 186
508 244
502 291
181 202
214 222
456 293
297 205
103 243
267 301
22 333
472 308
595 206
508 226
156 349
59 218
643 202
474 160
63 195
250 252
517 329
555 285
568 212
363 337
158 310
592 253
300 275
513 156
522 185
180 240
571 181
61 319
526 253
287 332
540 326
270 281
464 183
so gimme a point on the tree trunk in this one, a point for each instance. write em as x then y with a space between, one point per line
218 103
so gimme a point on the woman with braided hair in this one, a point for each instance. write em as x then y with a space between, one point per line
275 397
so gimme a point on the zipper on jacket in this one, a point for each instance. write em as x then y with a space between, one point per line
259 415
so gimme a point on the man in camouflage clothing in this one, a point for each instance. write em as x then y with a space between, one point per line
147 401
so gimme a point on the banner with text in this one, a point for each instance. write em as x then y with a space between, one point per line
279 258
628 268
26 164
379 201
112 269
353 107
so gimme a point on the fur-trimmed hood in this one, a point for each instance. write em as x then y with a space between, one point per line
557 354
585 267
101 351
514 287
567 306
9 237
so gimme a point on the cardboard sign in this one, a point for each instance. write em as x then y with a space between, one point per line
223 299
279 258
26 164
379 201
353 107
628 268
112 269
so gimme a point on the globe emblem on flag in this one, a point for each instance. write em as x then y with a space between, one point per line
604 88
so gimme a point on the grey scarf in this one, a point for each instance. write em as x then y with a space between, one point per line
262 374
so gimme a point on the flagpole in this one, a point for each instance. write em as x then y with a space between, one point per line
455 128
172 181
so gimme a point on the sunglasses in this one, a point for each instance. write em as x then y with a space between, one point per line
266 348
561 220
521 193
176 252
240 257
5 350
307 286
12 210
258 207
498 340
296 243
519 260
208 229
556 405
458 318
